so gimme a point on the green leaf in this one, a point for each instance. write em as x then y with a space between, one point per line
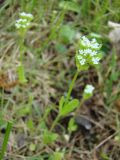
24 111
57 156
42 125
72 6
87 95
69 107
71 125
60 48
114 76
61 102
30 124
66 34
49 137
104 156
32 147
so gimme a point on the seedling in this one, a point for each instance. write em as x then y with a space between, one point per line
22 26
87 55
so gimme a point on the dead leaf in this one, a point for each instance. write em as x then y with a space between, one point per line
117 104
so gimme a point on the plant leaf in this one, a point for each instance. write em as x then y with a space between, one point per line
72 6
61 102
69 107
57 156
66 34
49 137
71 125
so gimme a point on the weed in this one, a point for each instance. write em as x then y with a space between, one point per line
44 124
22 25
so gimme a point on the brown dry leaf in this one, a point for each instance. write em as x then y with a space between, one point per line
117 104
8 80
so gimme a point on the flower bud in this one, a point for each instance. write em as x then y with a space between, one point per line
88 91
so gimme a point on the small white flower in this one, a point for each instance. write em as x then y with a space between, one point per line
24 21
81 51
93 40
79 57
95 46
27 15
89 89
88 54
27 24
95 60
21 20
85 39
85 42
82 62
87 51
17 25
93 53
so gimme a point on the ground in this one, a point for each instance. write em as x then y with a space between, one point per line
49 63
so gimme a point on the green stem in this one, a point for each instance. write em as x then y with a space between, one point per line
20 69
21 49
5 142
77 110
55 122
71 86
67 99
2 99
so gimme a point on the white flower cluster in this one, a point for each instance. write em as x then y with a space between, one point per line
24 21
90 44
88 89
88 53
26 15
